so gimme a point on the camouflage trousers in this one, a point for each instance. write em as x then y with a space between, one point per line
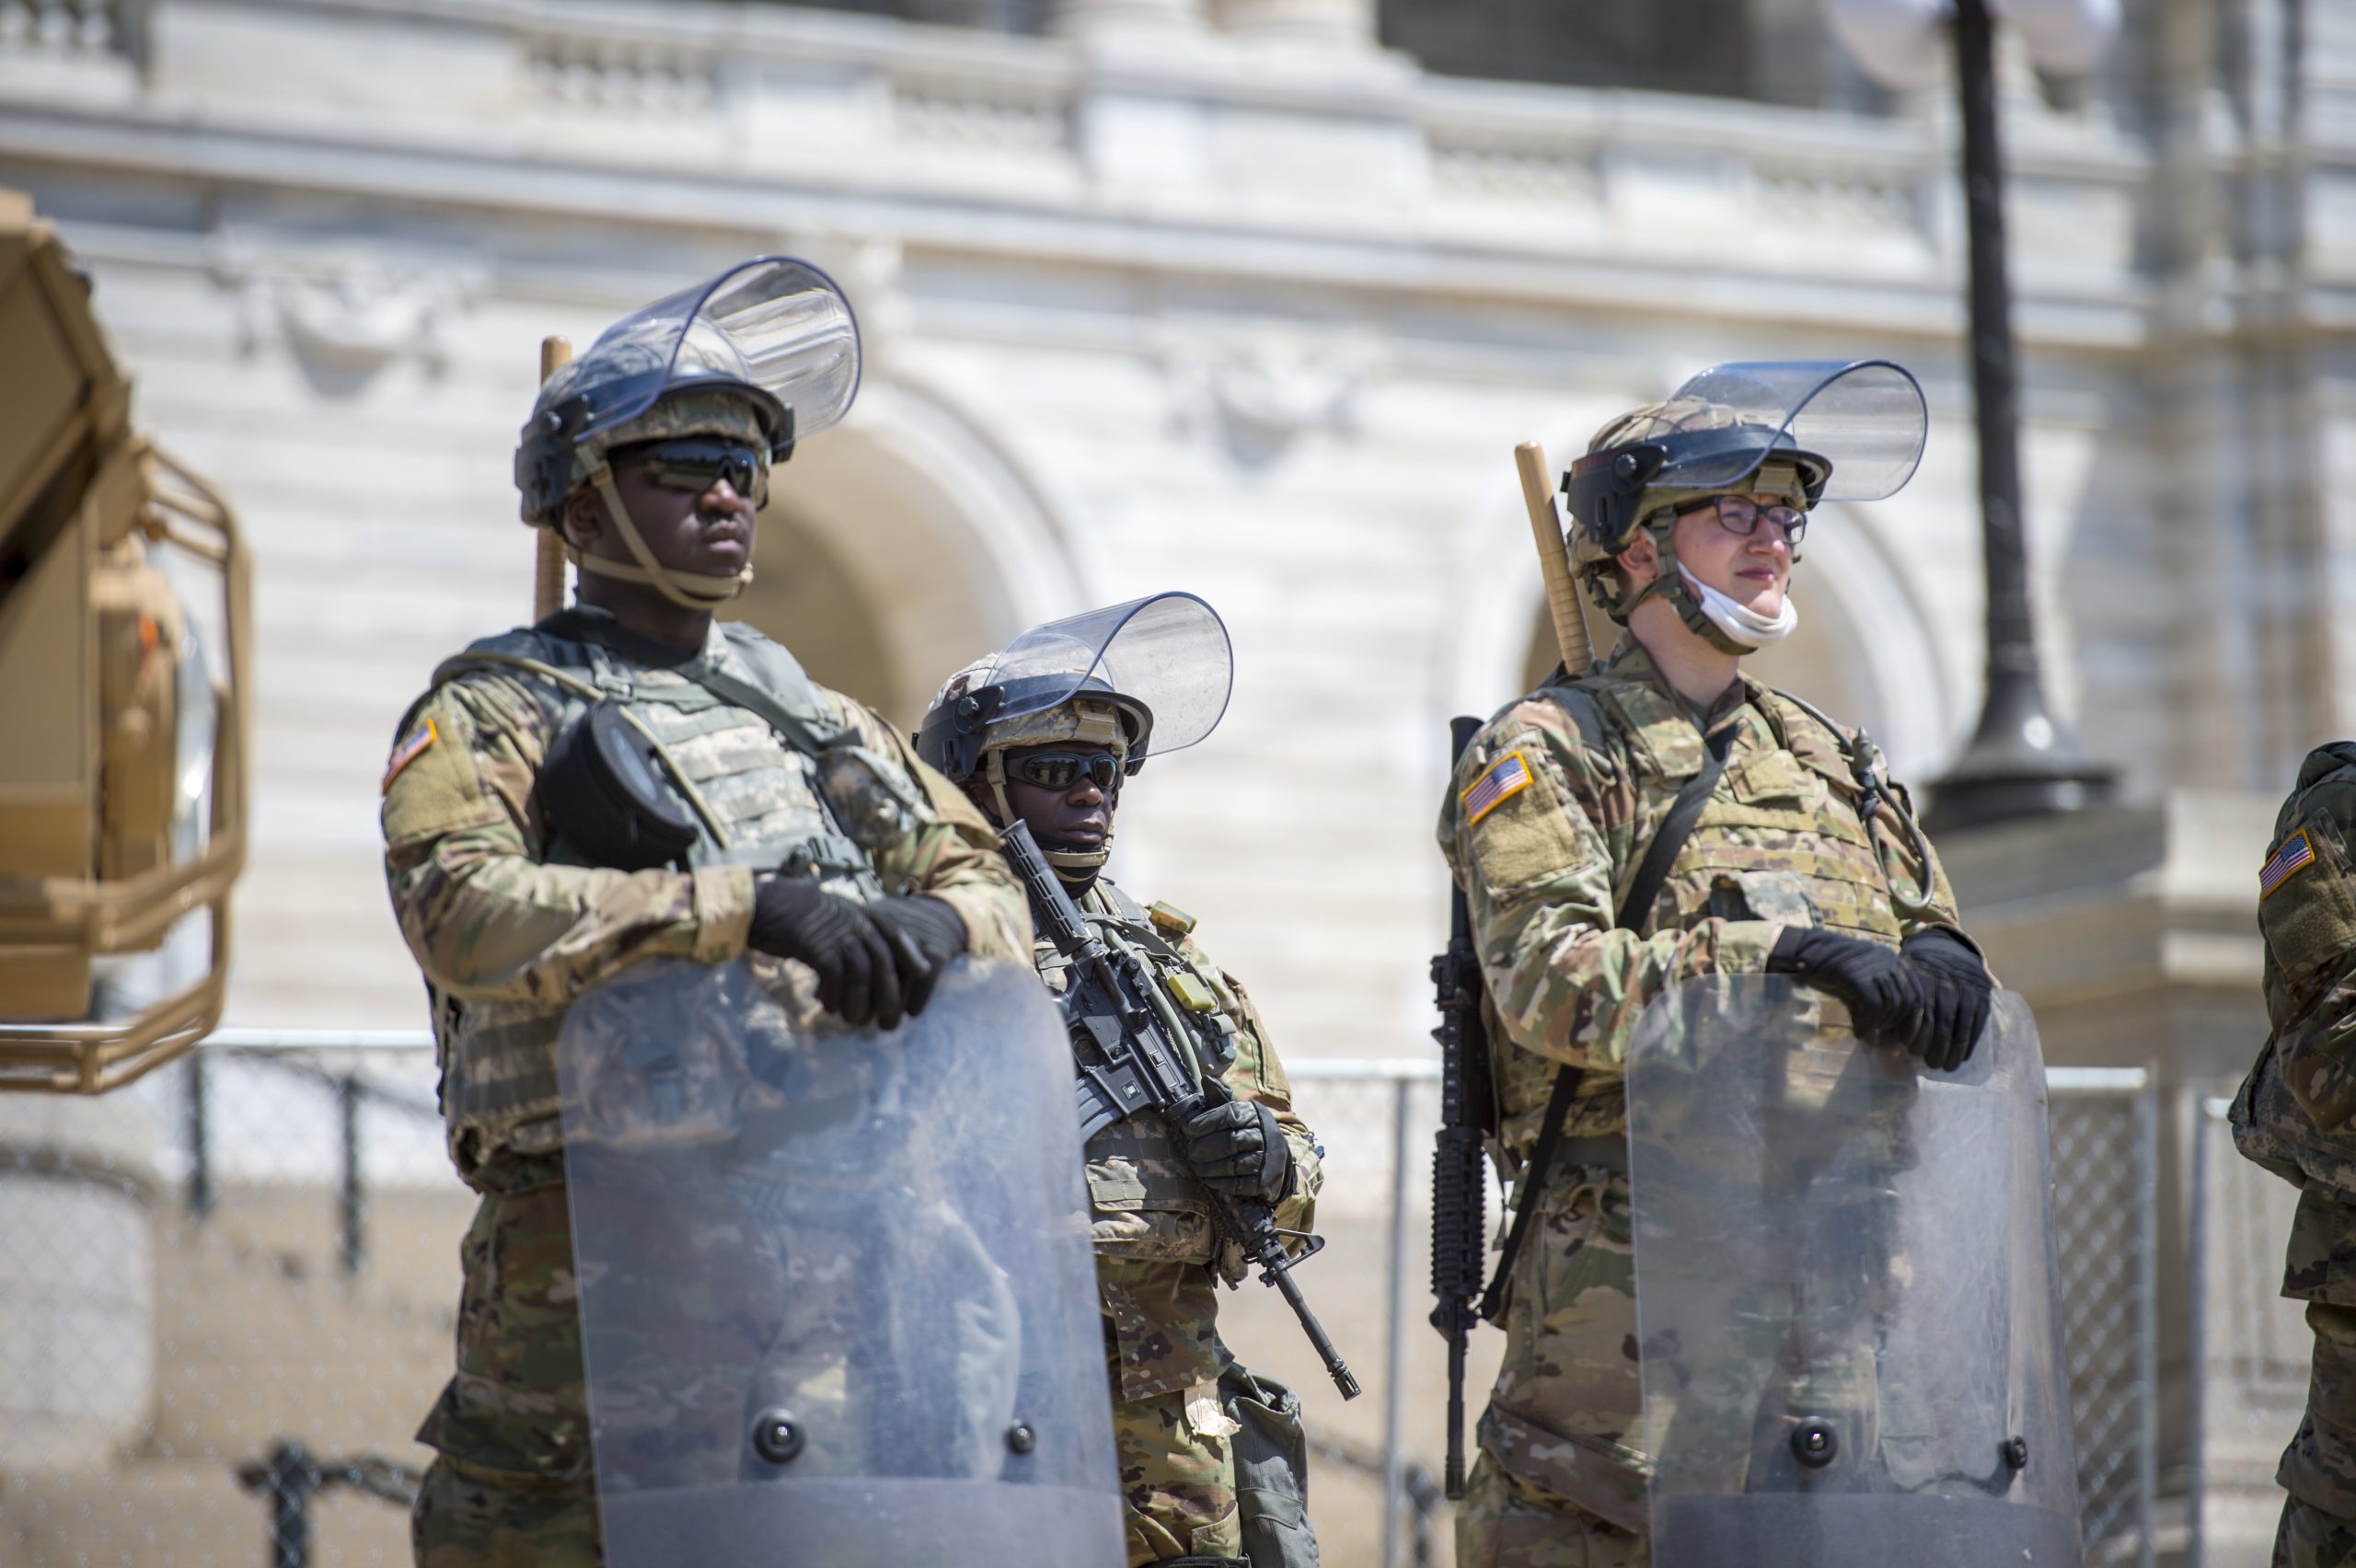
511 1487
1560 1480
1505 1522
2318 1469
1177 1466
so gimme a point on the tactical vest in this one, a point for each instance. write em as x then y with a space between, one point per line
1147 1208
1782 838
766 792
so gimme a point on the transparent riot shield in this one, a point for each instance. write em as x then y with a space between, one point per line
838 1305
1847 1299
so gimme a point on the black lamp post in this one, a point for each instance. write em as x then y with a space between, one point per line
2022 761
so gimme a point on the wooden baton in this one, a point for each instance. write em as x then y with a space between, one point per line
1553 559
548 577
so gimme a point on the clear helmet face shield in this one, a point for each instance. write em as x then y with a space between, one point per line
776 325
1867 419
838 1302
1168 652
1846 1289
1855 429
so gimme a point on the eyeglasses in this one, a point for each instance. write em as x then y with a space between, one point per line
1061 770
696 465
1739 514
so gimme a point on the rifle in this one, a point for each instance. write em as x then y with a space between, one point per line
1134 1056
1460 1186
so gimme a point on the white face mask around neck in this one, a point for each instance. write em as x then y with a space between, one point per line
1740 623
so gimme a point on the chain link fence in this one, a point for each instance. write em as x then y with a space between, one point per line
2249 1348
230 1295
2105 1129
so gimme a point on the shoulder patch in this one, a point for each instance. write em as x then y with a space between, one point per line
1499 782
412 746
2291 857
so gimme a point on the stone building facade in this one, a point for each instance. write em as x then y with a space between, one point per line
1230 296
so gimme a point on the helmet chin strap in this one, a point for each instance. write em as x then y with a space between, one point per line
1709 614
1077 866
689 590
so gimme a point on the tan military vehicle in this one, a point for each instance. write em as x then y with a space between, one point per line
124 589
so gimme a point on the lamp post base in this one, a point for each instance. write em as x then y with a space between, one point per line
2019 763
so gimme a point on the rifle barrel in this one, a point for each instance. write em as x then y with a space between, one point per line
1097 964
1334 1367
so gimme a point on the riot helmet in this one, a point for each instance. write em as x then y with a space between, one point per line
1151 675
764 354
1802 432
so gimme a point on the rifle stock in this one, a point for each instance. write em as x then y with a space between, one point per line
1460 1186
1130 1045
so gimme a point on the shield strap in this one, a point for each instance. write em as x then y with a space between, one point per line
1652 872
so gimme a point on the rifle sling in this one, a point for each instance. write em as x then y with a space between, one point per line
1651 873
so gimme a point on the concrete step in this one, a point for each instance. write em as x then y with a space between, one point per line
261 1335
180 1514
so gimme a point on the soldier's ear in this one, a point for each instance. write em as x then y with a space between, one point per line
1641 560
583 518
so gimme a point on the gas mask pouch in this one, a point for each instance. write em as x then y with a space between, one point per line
602 795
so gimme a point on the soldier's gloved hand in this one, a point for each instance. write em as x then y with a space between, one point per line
1239 1147
929 935
1884 995
1959 994
857 966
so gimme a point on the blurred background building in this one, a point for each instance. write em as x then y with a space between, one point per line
1250 297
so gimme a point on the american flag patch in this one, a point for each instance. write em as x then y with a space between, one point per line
2294 855
412 746
1503 779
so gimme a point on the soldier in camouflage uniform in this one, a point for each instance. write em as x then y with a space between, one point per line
2293 1116
1804 860
805 830
1182 1410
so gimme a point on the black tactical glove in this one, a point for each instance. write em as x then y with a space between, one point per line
1239 1148
1884 995
1958 994
932 934
861 970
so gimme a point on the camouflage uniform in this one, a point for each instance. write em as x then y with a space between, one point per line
1156 1271
2292 1116
509 926
1561 1480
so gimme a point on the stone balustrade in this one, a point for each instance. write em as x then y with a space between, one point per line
83 47
1282 103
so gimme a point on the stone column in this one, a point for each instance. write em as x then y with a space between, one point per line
1346 24
1126 18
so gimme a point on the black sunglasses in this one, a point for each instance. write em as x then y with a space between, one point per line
696 463
1061 770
